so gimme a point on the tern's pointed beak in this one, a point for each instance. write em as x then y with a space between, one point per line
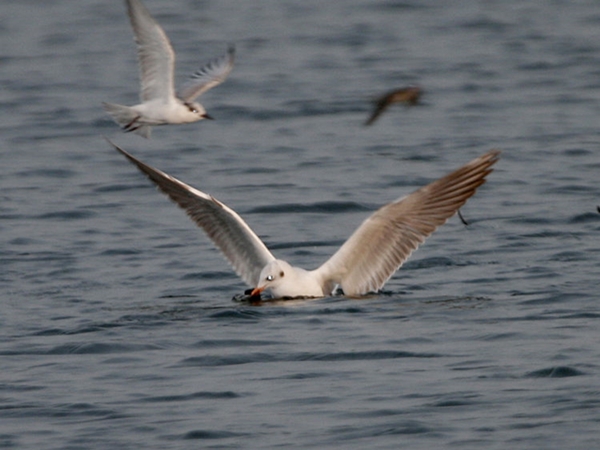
206 116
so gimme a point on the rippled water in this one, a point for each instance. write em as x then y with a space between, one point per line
118 328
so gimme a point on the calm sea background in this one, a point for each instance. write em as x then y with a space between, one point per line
117 325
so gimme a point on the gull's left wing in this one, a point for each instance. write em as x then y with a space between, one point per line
387 238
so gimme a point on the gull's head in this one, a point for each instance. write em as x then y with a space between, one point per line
197 111
273 277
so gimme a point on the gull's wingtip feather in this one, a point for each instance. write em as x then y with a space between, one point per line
493 154
119 149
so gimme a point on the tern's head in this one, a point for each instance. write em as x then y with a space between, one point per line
197 110
273 276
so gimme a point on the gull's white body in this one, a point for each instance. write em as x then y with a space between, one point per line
295 282
363 263
160 105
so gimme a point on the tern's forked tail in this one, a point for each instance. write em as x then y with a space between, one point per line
128 118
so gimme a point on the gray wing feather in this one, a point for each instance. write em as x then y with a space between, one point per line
239 244
386 239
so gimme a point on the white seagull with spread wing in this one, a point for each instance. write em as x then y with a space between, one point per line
363 263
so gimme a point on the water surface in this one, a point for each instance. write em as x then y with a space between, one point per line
118 328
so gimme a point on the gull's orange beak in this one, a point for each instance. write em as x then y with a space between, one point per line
257 291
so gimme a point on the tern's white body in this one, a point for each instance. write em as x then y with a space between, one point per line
160 105
363 264
159 112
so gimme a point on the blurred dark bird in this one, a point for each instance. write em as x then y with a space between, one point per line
409 96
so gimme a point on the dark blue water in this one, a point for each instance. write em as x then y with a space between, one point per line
117 325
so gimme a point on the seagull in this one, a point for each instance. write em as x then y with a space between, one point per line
409 95
362 264
159 103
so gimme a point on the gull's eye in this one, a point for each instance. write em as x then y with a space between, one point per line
281 274
270 278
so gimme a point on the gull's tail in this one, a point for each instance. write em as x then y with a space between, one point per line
128 118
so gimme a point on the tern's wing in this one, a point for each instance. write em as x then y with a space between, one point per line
386 239
208 76
155 54
228 231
